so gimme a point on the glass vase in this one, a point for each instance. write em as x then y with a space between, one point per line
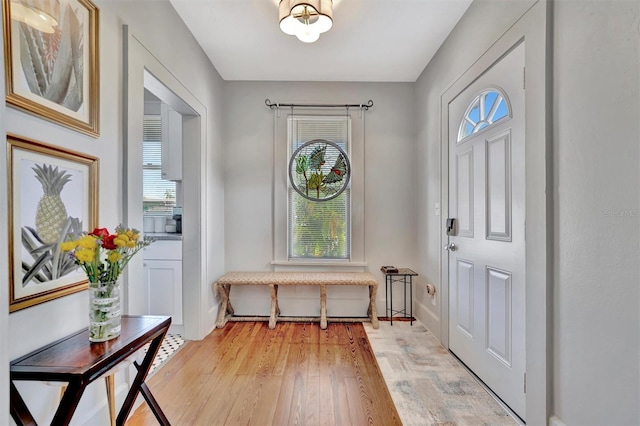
104 311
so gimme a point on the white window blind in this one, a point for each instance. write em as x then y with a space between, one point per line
319 229
159 195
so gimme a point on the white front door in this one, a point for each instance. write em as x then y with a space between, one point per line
486 246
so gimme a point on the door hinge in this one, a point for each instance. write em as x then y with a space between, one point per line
525 382
524 78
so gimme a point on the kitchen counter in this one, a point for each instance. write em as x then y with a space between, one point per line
167 236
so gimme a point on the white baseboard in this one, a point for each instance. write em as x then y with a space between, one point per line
428 318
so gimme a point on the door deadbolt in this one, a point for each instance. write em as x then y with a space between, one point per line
451 226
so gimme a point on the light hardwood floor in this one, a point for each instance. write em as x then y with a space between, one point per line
294 374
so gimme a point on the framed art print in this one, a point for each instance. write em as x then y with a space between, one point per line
53 196
51 60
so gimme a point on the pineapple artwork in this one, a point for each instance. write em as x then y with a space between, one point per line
48 220
51 213
53 197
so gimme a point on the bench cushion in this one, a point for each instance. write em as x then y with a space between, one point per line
298 278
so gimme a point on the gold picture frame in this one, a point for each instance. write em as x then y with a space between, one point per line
53 194
51 56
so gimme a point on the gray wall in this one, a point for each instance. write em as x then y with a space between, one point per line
390 184
176 48
464 46
596 138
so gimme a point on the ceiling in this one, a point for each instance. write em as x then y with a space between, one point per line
371 40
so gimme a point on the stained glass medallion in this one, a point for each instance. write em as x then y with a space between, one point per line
319 170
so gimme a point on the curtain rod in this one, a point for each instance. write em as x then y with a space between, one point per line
365 107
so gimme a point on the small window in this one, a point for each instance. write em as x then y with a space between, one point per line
486 109
159 195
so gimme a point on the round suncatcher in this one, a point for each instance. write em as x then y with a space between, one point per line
319 170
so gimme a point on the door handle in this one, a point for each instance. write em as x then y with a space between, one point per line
450 247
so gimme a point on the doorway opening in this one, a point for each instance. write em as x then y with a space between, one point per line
186 280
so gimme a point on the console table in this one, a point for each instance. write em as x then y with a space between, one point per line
75 360
405 276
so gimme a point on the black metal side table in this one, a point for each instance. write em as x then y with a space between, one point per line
405 276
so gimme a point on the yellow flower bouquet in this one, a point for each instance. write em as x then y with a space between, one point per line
103 256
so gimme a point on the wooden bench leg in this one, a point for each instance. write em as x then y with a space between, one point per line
372 311
225 306
275 309
323 306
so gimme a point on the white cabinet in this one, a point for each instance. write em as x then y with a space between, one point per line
163 279
171 143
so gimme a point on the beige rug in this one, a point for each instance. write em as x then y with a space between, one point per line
427 384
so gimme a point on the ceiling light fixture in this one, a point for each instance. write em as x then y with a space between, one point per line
306 19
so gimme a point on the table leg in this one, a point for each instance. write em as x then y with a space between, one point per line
69 403
404 285
411 299
386 295
19 410
275 309
372 311
323 306
153 404
391 298
138 384
110 384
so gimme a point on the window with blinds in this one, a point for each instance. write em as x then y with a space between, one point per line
319 229
159 195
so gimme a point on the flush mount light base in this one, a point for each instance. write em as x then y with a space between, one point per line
306 19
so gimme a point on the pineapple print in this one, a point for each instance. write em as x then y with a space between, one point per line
51 213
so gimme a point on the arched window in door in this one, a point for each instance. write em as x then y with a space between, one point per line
486 109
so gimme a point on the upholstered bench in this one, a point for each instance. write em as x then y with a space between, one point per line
276 279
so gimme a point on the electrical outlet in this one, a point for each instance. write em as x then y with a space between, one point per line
431 290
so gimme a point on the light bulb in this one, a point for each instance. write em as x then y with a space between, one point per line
308 36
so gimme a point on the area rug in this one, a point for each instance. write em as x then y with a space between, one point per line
428 385
170 345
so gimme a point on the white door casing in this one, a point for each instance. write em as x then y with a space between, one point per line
143 70
487 198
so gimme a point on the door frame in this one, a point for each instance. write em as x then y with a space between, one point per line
141 69
533 30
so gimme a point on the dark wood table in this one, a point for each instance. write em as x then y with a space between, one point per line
75 360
